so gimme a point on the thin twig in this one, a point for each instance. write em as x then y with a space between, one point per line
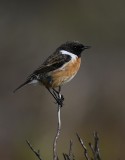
95 148
97 144
66 157
92 148
84 147
37 153
71 155
55 156
70 149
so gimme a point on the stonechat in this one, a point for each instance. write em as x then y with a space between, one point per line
58 69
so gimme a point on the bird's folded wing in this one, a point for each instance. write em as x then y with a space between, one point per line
53 62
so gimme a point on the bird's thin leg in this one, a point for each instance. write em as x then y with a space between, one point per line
54 96
58 95
58 100
55 92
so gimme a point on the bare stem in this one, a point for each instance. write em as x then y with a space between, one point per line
70 148
55 156
95 148
71 155
84 147
37 153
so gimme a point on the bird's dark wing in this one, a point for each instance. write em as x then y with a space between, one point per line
53 62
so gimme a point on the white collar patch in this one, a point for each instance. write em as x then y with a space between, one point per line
74 57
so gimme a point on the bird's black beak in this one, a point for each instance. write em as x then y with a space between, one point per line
87 47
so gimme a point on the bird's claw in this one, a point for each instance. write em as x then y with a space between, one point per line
60 100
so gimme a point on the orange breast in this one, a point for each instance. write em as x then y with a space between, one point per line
66 73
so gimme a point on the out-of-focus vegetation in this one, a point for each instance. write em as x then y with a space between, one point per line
29 32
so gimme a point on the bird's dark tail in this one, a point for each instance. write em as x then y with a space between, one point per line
28 81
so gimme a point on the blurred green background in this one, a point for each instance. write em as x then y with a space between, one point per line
95 99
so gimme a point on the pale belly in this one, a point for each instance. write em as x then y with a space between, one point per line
67 79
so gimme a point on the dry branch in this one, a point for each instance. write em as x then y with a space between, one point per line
59 97
94 148
84 147
37 153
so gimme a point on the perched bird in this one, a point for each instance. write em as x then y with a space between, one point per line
58 69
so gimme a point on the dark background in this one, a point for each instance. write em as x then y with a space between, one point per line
95 99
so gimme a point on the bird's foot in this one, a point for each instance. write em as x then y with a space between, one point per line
59 100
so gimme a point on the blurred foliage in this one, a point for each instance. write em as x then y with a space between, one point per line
29 32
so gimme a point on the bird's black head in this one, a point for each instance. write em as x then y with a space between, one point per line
74 47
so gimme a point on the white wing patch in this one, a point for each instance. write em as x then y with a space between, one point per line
35 81
73 56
